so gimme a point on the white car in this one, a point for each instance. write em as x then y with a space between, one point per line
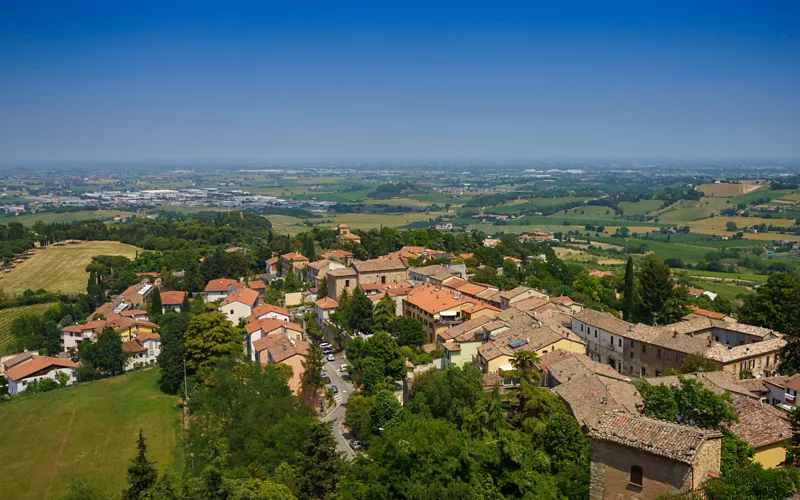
330 357
324 345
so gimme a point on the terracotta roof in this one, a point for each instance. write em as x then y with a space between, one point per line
563 367
326 303
512 259
36 364
96 325
257 285
145 336
707 313
465 327
264 342
133 312
337 254
119 323
268 325
284 348
777 381
472 289
434 299
19 358
243 295
674 441
294 257
378 265
531 303
793 383
173 297
221 285
342 272
319 264
262 309
133 346
589 396
604 321
510 294
151 274
563 300
433 270
272 261
760 424
524 339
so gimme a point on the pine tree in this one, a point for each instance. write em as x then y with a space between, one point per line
142 474
156 308
629 293
311 380
657 288
320 467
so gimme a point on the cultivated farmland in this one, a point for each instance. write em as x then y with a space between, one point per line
60 268
7 316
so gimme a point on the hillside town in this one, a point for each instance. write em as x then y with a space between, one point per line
598 365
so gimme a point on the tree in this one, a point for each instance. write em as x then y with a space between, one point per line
384 313
357 416
156 308
690 403
106 355
141 473
290 282
657 287
361 313
186 305
371 374
385 408
166 488
736 453
210 336
408 331
170 360
311 381
308 247
698 363
629 293
792 446
320 466
79 490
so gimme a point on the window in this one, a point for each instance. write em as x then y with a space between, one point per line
644 348
620 342
658 354
346 283
632 343
595 333
637 475
752 363
767 360
383 280
630 369
644 371
612 341
581 327
231 311
631 354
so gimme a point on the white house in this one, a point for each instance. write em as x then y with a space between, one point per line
219 289
172 300
323 308
39 368
259 329
265 311
144 350
73 335
239 304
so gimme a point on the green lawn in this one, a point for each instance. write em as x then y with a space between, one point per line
640 207
87 432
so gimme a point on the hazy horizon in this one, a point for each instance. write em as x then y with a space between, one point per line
359 82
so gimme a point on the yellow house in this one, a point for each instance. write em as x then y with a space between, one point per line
129 328
764 428
498 353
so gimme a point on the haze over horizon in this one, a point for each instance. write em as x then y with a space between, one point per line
455 80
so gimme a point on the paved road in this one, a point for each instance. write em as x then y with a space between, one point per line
336 416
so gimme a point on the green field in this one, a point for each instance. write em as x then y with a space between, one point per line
60 268
285 224
51 217
87 432
640 207
7 316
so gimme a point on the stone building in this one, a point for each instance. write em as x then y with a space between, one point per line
639 457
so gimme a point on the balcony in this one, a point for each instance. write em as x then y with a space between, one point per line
791 399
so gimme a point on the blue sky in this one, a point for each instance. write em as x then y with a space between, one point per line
202 81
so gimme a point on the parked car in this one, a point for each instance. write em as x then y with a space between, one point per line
325 345
356 444
335 389
330 357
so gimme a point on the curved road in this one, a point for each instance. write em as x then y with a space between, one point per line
336 416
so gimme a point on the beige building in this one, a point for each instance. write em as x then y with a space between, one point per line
340 280
510 297
639 457
440 308
496 355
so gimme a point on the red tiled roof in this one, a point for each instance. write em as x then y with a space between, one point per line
133 312
173 298
243 295
294 257
263 309
257 285
36 364
133 346
326 303
221 285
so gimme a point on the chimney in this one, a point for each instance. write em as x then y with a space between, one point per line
674 334
710 341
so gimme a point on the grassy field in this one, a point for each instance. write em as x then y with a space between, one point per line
87 432
640 207
285 224
369 221
60 268
50 217
728 189
7 316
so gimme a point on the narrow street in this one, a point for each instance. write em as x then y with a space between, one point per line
336 416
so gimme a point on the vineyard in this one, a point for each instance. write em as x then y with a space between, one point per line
7 316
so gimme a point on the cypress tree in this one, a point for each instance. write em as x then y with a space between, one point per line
156 308
629 293
185 304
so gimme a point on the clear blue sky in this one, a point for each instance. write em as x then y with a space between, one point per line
399 80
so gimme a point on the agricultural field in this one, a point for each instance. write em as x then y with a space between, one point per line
369 221
583 256
7 316
60 268
286 224
728 190
641 207
86 432
51 217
